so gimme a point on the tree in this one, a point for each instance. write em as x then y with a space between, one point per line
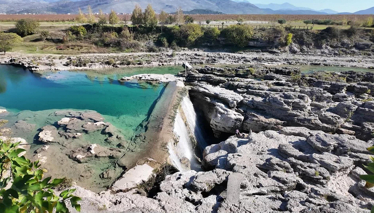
289 39
26 27
81 18
179 17
211 34
163 17
149 17
22 187
90 16
44 35
187 34
8 41
307 22
113 18
282 21
137 15
102 18
170 19
207 21
238 34
188 20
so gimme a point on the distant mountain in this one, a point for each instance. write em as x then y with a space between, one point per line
287 8
328 11
126 6
201 11
365 12
284 6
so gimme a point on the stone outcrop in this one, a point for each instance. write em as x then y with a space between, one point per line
250 105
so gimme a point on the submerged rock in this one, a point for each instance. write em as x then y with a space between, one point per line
48 134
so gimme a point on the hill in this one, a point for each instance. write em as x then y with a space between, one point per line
365 12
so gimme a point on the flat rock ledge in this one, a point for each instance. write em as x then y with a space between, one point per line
151 78
291 170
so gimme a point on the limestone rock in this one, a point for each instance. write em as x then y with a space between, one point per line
132 178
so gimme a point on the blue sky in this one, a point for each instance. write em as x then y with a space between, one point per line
337 5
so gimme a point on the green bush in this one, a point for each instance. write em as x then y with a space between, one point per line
8 40
289 39
188 19
307 22
282 21
238 35
25 190
211 34
78 31
26 27
187 34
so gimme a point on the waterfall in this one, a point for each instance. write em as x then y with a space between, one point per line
191 118
187 137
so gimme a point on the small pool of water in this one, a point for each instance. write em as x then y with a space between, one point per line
124 105
34 99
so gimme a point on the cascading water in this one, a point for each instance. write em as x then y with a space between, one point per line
188 135
191 118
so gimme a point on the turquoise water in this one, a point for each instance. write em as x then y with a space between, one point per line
124 105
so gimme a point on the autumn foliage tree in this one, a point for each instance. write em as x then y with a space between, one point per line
102 18
113 18
81 18
90 16
137 15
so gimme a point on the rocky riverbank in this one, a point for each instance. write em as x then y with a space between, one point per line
41 63
304 149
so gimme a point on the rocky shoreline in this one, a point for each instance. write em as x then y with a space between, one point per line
42 63
304 147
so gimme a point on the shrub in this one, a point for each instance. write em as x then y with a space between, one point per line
125 34
289 39
282 21
352 31
78 31
187 34
369 22
188 19
211 34
130 45
170 19
8 40
238 35
332 32
162 41
307 22
275 35
207 21
26 27
25 190
44 35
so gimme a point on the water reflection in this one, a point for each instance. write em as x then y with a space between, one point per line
13 75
